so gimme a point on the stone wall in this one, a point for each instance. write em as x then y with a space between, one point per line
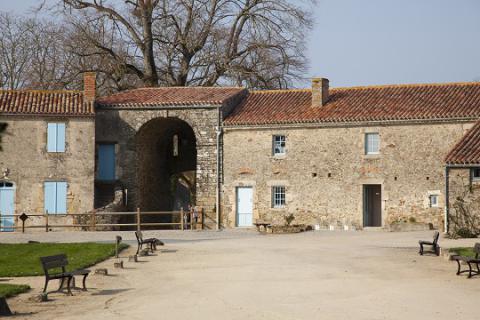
324 171
122 125
29 165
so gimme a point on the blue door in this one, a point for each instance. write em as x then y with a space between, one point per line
7 206
106 162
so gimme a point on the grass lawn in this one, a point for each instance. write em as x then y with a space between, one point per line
23 259
463 251
10 290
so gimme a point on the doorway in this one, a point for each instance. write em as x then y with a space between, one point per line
244 206
7 206
372 205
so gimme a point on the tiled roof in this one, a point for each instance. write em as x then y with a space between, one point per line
467 150
359 104
164 96
39 102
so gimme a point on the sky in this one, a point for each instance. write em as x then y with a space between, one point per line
375 42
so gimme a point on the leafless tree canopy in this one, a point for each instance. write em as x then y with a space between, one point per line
253 43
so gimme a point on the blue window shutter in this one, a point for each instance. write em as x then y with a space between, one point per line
61 197
52 137
60 137
106 162
50 197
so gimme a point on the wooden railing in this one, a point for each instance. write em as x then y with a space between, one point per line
185 220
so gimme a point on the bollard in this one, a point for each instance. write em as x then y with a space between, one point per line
117 245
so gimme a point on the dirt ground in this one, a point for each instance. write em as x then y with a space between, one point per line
244 275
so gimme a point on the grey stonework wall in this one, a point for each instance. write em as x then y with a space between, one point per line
462 186
121 126
30 165
324 171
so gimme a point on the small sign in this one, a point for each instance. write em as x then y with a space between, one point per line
23 217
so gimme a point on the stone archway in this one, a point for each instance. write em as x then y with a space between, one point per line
166 151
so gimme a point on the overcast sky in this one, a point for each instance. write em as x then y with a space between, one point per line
365 42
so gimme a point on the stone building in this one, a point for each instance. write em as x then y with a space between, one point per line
47 159
356 157
362 156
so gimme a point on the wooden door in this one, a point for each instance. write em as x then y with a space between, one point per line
372 205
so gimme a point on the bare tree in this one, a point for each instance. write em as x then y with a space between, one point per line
15 51
33 54
256 43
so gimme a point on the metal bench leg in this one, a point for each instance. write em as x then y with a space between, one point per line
69 291
469 270
45 287
459 267
61 284
85 282
437 250
139 247
421 250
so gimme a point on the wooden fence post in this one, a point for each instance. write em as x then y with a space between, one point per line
181 219
93 221
138 220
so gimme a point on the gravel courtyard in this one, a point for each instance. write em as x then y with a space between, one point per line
244 275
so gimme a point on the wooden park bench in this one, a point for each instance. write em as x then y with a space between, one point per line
470 261
60 262
433 244
152 242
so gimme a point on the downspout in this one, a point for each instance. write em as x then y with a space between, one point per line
218 131
447 197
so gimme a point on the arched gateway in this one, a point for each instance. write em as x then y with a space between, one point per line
166 164
167 147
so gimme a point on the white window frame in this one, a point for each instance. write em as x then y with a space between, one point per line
431 202
369 141
279 142
476 174
279 198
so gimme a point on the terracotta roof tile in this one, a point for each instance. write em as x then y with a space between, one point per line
467 150
13 102
164 96
358 104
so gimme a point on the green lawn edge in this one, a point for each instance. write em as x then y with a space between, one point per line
22 260
462 251
8 290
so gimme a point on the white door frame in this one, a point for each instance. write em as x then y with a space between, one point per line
11 219
241 218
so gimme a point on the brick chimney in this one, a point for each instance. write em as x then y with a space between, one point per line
89 86
319 91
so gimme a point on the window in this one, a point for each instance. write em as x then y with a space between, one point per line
56 137
55 197
372 143
278 197
106 162
278 145
476 174
433 201
175 145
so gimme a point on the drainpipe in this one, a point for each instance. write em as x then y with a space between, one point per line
447 197
218 131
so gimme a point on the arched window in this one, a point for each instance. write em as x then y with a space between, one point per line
175 145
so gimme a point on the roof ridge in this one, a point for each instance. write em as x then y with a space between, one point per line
38 91
279 91
409 85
